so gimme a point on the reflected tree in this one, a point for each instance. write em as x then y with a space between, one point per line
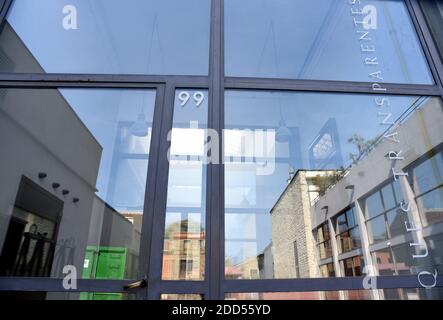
362 145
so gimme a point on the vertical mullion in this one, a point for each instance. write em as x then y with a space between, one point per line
215 194
149 200
160 196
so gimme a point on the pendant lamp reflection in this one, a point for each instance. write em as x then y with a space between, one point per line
283 133
140 127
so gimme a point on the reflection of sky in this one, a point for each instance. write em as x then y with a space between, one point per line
114 36
248 192
108 115
269 38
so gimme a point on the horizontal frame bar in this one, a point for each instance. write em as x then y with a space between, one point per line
322 284
56 285
329 86
143 81
93 285
183 287
228 286
107 80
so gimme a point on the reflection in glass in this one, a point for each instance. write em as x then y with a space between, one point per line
327 270
385 262
106 37
269 39
377 229
348 237
73 181
427 179
396 222
397 260
374 205
184 243
349 240
282 188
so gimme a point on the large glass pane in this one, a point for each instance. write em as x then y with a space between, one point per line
107 36
332 40
184 243
73 176
294 160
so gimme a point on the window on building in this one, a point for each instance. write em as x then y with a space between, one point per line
385 219
352 267
427 182
323 242
271 40
296 261
106 37
348 233
398 260
327 270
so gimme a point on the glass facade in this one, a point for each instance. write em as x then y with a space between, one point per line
107 36
341 43
208 149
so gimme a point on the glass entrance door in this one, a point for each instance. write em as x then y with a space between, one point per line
74 184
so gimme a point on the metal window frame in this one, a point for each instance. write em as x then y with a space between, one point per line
214 286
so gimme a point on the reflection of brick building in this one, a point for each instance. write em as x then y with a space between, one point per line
184 251
292 239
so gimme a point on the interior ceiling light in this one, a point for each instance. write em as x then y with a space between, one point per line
283 133
140 127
